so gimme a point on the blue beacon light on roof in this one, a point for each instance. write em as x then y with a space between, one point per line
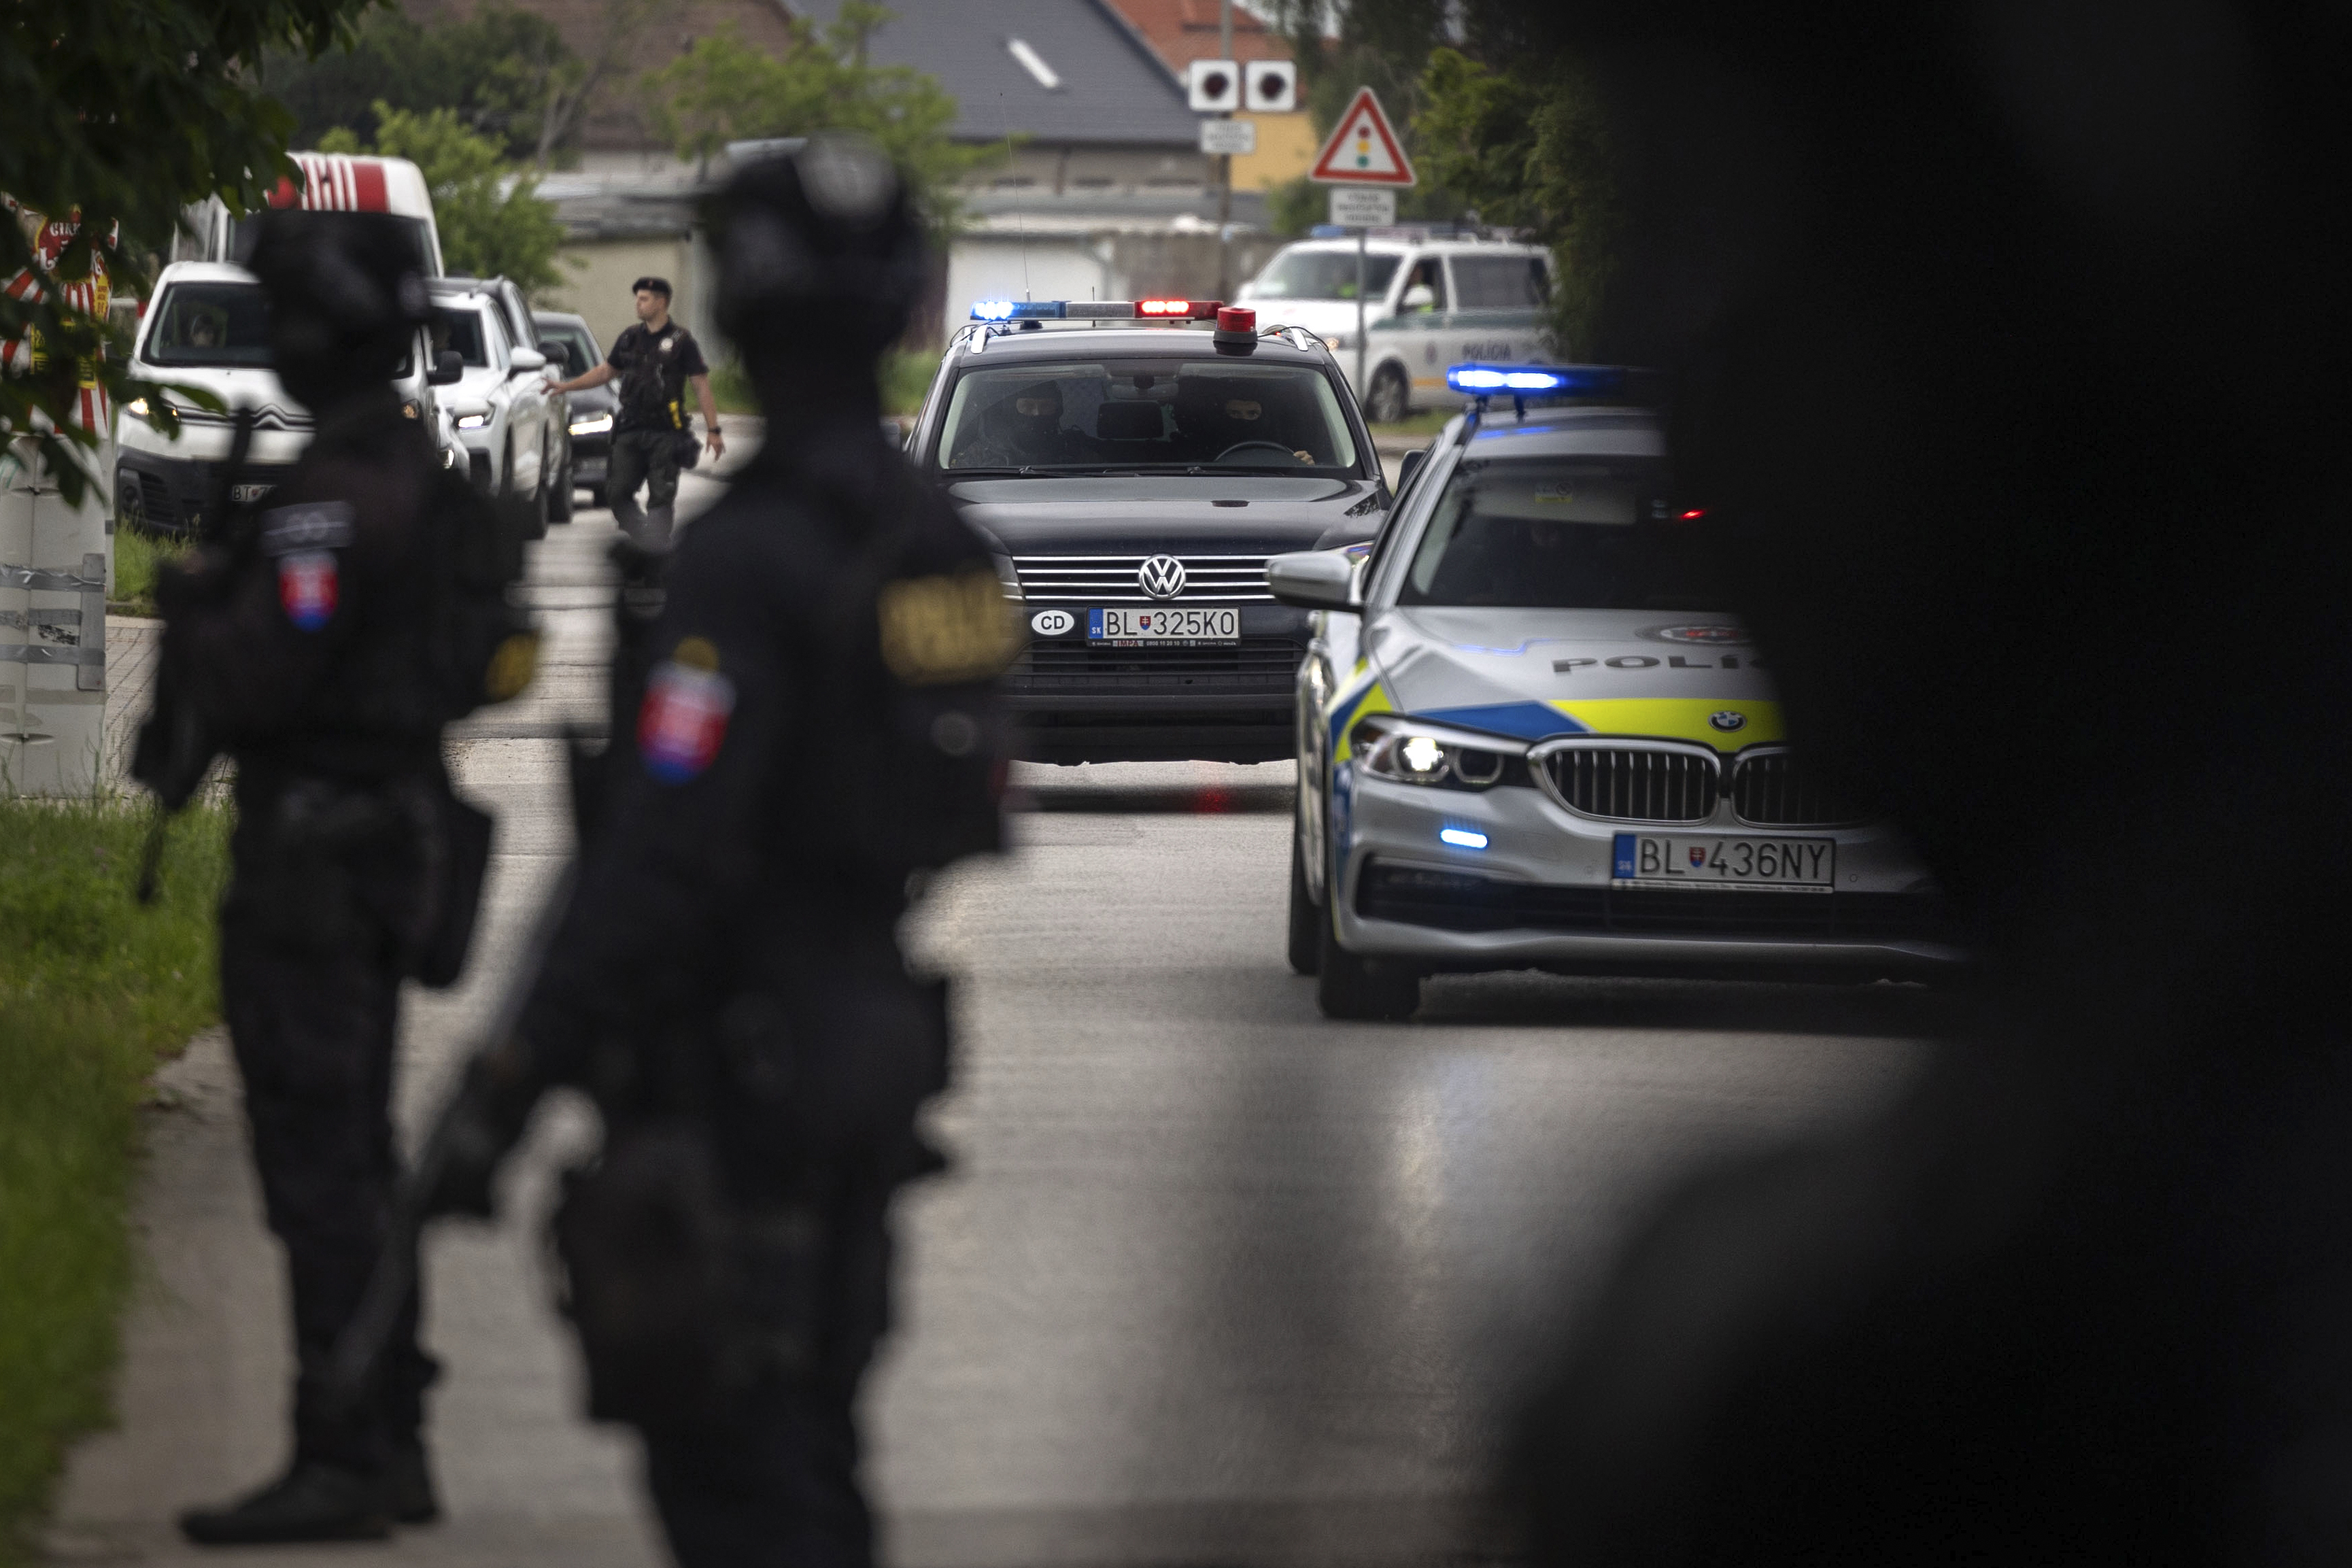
1525 380
1017 310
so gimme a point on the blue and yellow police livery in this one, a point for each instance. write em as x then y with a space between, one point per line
1529 736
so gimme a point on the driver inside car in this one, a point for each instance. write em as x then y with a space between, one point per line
1224 417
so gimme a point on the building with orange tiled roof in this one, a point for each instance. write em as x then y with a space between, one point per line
1182 31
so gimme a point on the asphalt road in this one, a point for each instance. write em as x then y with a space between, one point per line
1212 1280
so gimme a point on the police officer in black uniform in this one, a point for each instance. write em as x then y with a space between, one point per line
817 733
656 360
314 642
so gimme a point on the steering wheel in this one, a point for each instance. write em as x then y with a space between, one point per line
1248 446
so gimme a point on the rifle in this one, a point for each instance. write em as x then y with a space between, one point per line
175 748
482 1119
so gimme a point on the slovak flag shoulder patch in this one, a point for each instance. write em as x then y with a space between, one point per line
307 587
684 720
303 538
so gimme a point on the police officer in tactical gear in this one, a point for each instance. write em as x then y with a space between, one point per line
322 639
816 732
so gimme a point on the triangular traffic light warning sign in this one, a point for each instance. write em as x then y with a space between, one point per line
1362 149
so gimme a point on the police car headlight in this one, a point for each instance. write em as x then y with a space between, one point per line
472 421
594 424
1418 754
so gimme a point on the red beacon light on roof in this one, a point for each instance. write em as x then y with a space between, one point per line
1236 329
1179 310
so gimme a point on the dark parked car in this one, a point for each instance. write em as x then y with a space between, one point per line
592 410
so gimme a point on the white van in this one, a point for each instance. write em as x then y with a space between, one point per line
331 182
1428 303
205 326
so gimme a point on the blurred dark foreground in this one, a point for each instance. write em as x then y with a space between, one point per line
2010 346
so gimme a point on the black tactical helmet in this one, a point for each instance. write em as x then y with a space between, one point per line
346 293
819 254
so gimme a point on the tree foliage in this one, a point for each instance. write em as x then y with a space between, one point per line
497 71
1380 44
723 89
1529 149
508 73
125 111
493 224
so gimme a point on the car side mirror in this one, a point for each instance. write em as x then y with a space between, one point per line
449 369
524 361
1314 579
1420 297
1410 465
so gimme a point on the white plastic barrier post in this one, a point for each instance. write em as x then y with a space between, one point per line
56 560
53 570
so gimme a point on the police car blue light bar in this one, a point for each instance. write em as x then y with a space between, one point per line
1095 310
1537 380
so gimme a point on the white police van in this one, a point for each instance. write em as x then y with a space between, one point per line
1428 303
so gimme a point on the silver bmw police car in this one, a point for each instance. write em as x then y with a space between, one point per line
1529 735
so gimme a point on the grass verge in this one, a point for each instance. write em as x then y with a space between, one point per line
1427 423
136 557
93 992
906 378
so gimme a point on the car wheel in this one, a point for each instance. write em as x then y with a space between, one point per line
1387 404
1349 986
559 499
1306 921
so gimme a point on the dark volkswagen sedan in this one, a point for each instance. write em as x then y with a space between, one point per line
1134 482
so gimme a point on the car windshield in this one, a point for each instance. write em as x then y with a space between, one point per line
224 324
1321 275
1146 413
1562 533
578 349
465 329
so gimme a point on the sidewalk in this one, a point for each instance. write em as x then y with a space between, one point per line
206 1366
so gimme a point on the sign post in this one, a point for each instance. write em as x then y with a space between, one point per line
1365 164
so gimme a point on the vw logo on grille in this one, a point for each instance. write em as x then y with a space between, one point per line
1162 576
